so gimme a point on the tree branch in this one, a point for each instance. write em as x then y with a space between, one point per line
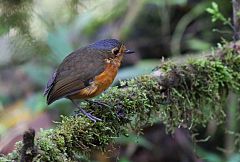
186 95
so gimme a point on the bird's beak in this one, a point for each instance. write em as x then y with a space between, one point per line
128 52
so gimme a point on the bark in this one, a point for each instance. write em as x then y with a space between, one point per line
236 18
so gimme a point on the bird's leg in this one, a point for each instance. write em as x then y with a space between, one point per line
89 115
98 103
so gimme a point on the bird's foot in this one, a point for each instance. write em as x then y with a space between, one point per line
89 115
98 103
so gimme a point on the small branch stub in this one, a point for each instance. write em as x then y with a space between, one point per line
28 151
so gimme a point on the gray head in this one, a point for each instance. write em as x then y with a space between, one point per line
111 46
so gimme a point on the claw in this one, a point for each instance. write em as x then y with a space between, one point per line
89 115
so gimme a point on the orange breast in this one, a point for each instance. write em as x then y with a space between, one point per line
101 82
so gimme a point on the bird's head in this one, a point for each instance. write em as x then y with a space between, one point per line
110 47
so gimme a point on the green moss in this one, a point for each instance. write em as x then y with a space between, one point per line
186 95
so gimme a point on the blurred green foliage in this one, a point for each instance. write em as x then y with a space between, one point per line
35 36
216 14
212 157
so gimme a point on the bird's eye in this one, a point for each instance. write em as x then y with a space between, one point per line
115 51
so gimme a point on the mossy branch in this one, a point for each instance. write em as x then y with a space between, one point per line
185 95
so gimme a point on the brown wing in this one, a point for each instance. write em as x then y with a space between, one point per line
75 73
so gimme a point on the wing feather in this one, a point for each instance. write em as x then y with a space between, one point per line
77 69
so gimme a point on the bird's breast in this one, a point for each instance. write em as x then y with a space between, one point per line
102 81
107 76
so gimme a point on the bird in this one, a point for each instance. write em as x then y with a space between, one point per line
86 73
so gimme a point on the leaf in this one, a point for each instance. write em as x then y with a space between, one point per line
210 10
215 6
